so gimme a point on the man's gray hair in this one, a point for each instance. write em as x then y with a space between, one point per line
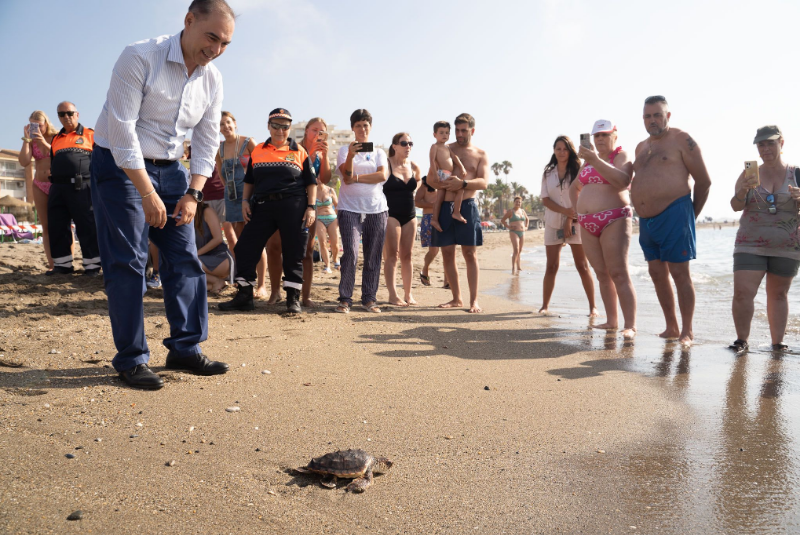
204 8
66 103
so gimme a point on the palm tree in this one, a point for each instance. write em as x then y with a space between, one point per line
497 168
506 165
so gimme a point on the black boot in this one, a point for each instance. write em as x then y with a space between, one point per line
243 300
293 301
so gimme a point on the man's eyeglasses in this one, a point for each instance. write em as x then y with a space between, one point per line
66 113
277 126
406 143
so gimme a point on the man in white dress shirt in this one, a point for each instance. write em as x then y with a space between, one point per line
160 88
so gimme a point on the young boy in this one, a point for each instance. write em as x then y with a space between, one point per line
443 162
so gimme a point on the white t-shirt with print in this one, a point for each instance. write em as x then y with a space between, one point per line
357 197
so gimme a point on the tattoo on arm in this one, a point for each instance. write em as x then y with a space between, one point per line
691 142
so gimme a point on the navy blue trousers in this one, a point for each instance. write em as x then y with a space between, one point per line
123 234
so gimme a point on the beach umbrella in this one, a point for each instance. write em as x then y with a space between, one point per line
8 200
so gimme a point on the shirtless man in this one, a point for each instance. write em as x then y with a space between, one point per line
467 235
662 197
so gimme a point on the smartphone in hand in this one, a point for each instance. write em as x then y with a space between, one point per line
751 170
366 147
33 129
586 140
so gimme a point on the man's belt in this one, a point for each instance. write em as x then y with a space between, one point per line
66 180
160 163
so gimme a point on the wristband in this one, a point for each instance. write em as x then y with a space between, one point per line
151 192
26 139
464 184
356 178
736 196
312 206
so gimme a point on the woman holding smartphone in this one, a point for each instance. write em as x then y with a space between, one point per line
36 139
362 213
315 141
516 221
401 226
560 221
768 240
602 200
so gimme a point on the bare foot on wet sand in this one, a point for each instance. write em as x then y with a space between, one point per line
396 301
475 308
273 297
544 311
670 332
455 303
606 326
410 300
629 334
594 313
308 303
260 293
686 338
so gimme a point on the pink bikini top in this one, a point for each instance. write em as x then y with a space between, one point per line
37 152
589 175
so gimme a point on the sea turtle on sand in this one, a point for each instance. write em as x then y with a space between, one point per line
357 465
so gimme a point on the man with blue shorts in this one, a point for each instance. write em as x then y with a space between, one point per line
663 200
468 235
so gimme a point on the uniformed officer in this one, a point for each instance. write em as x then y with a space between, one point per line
280 191
70 198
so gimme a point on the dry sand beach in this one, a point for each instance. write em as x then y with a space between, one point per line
502 422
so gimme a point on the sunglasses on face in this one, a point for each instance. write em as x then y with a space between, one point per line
277 126
66 113
406 143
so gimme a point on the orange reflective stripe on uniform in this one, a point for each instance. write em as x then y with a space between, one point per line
266 155
80 140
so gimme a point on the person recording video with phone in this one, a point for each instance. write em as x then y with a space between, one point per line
560 220
601 198
768 240
363 213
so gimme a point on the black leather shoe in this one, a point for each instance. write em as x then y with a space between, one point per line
243 300
199 364
58 270
142 377
293 301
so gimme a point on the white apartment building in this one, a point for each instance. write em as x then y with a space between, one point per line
12 175
336 138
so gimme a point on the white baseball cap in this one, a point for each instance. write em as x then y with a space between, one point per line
603 125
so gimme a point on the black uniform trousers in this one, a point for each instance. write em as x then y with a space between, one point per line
64 205
268 216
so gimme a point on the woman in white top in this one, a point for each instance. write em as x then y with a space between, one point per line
560 220
363 213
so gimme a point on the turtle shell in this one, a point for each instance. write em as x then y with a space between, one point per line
346 464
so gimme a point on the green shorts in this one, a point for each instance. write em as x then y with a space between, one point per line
777 265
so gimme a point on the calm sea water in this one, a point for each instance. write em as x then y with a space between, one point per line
737 468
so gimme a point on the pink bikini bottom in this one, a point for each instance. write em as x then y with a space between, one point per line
595 223
44 186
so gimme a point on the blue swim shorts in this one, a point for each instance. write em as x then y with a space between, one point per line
670 236
455 232
425 229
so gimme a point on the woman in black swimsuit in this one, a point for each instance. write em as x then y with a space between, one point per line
401 229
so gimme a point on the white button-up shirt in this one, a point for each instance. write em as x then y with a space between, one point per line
152 103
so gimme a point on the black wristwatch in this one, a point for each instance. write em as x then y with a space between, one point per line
312 207
198 195
463 183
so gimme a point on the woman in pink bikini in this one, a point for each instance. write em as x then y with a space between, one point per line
36 147
604 215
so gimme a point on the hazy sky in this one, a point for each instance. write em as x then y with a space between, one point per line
527 71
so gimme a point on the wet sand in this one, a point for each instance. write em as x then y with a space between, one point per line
572 434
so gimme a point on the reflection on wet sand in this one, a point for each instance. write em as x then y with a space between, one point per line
756 478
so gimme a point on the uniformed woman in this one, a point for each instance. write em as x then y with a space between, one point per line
280 190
